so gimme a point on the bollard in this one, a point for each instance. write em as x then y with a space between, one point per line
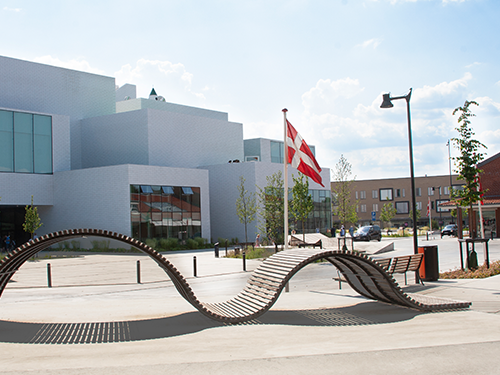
427 234
216 249
49 276
244 261
138 272
226 248
194 266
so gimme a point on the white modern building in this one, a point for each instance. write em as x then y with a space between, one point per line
94 156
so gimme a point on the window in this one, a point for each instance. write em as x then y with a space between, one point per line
25 143
430 190
441 209
385 194
374 194
398 193
419 205
446 190
418 192
357 208
402 207
363 208
357 195
277 152
403 193
362 194
375 207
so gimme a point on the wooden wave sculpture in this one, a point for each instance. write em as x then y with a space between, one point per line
264 286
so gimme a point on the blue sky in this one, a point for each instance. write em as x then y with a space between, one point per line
328 62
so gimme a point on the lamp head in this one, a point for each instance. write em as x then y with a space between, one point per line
386 103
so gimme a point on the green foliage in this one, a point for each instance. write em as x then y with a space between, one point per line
191 244
31 219
252 253
466 163
271 200
345 209
302 203
387 212
100 245
246 206
168 243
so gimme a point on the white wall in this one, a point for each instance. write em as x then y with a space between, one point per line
99 198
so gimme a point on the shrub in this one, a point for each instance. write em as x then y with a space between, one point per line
479 273
191 244
152 242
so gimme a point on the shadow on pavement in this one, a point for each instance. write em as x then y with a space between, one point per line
105 332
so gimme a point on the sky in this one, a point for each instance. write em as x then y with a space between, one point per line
327 61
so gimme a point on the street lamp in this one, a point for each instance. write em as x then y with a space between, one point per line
387 103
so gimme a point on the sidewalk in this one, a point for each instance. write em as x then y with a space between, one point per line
315 328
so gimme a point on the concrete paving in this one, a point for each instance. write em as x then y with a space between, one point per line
96 319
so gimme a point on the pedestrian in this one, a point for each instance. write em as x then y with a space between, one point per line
7 243
342 231
351 231
257 240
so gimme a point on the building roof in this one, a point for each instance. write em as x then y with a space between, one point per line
153 92
490 159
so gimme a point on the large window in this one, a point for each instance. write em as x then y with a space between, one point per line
385 194
277 152
25 142
402 207
165 212
321 217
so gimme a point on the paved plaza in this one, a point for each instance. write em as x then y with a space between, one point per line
96 319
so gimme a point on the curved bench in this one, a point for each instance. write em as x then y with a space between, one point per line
264 286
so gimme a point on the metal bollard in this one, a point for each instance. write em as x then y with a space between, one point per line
244 261
216 250
49 276
138 272
427 234
226 248
194 266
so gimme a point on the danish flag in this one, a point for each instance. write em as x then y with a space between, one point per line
300 155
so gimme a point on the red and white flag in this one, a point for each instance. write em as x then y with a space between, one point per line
429 206
300 155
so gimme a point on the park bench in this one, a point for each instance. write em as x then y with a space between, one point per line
319 244
405 264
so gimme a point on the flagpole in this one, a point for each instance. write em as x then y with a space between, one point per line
480 208
285 179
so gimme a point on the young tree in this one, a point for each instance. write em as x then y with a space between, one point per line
346 211
417 213
466 163
31 219
271 210
387 212
246 206
302 203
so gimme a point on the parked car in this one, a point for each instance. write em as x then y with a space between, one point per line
449 230
368 233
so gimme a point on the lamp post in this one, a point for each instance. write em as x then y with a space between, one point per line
387 103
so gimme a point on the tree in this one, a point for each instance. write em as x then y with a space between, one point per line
417 213
246 206
387 212
302 203
346 211
271 210
31 219
466 163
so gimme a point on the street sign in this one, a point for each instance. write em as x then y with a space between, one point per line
374 215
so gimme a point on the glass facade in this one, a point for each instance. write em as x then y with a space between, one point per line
25 142
165 212
321 216
277 152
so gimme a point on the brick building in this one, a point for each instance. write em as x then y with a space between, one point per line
371 195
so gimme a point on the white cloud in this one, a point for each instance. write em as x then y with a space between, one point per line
323 97
16 10
375 140
74 64
375 42
170 80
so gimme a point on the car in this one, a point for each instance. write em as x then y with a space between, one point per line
368 233
449 230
